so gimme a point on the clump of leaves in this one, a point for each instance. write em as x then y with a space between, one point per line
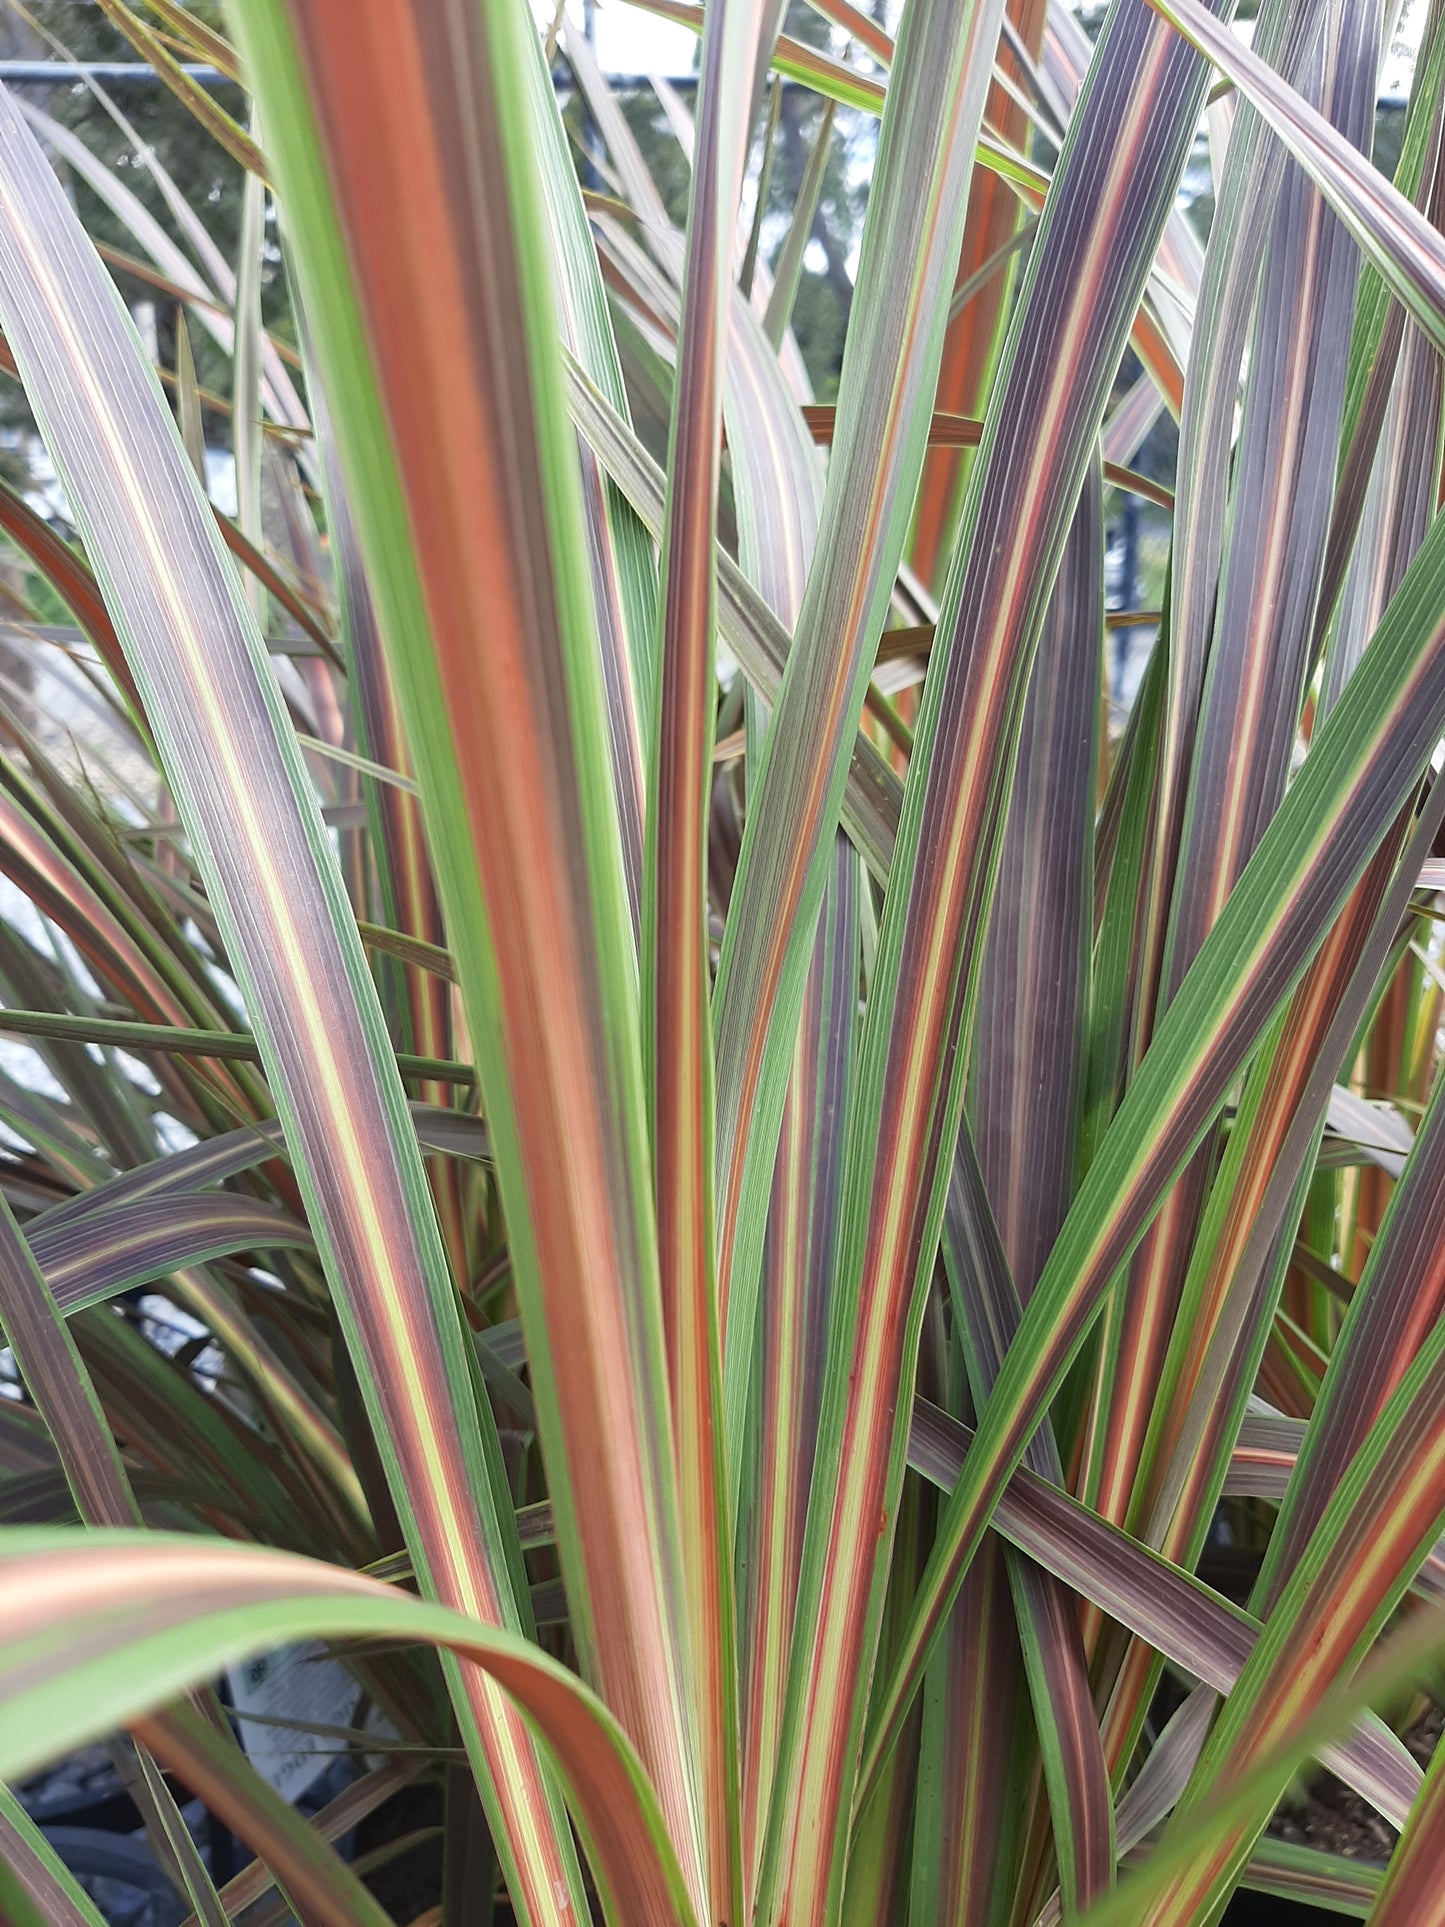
768 1179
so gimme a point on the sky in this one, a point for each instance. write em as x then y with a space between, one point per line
631 41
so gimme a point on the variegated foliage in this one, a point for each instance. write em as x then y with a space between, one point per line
807 1224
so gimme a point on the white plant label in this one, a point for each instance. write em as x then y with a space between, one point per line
293 1683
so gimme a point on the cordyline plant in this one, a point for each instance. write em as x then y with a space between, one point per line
767 1170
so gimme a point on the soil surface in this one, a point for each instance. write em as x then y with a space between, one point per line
1335 1819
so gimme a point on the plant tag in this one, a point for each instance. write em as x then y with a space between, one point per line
293 1683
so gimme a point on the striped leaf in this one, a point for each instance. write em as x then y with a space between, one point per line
797 1269
36 1889
181 1609
408 890
1404 1661
620 556
1310 1877
227 1045
1324 1016
1258 655
1183 1619
1026 1082
67 573
777 487
1239 1261
1419 153
510 750
259 840
1248 192
1413 1889
1406 250
1380 329
1025 1091
101 1254
988 1312
65 1395
1126 147
364 1795
936 95
973 1751
677 1015
305 1865
1122 848
405 885
1383 1517
871 800
1392 1309
975 325
1365 763
788 267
